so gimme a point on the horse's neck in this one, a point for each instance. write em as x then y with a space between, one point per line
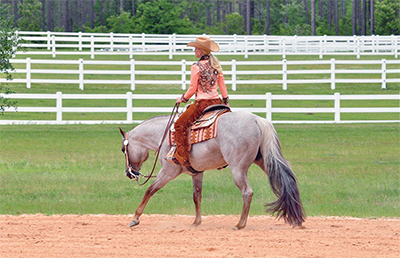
150 132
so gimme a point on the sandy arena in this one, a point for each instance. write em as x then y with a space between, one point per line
172 236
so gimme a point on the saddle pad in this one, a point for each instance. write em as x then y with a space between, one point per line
204 128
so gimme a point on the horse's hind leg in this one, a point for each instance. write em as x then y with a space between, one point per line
161 180
242 182
197 190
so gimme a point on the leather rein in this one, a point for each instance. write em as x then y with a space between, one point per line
133 173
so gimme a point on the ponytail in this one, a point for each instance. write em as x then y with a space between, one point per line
215 63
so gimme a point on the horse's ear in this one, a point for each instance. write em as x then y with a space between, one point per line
122 132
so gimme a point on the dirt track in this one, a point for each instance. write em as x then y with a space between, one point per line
172 236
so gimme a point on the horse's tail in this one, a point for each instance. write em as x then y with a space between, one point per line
281 177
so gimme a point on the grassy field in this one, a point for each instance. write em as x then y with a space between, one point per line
346 170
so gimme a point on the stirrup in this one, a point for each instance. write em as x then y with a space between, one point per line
171 156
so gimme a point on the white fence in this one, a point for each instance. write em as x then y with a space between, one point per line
288 68
66 43
336 108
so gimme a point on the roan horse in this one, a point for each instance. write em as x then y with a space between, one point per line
243 138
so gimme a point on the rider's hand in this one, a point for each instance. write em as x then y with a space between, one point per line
179 100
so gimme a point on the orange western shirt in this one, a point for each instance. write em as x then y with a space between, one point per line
196 88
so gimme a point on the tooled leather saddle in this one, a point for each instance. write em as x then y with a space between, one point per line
204 128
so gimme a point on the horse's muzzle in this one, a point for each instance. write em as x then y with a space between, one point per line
131 174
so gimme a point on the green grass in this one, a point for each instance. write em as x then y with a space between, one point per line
345 170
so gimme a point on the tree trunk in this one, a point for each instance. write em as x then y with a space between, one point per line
336 16
49 7
321 13
268 23
218 10
43 22
343 9
91 13
359 18
364 18
329 13
248 17
313 27
354 18
372 7
101 12
121 6
306 10
15 3
223 11
133 8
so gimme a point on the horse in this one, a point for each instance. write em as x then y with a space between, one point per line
242 139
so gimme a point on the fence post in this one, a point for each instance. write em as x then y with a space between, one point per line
358 47
333 74
320 48
13 47
80 40
384 74
143 43
233 74
92 47
54 46
234 43
295 43
170 46
337 107
112 42
132 74
246 46
373 44
59 106
130 48
129 110
48 40
396 53
284 74
28 73
283 47
268 104
174 42
183 74
392 43
81 74
265 44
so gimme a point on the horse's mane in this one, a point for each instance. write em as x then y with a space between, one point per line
151 119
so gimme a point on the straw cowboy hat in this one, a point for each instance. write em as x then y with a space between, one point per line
205 44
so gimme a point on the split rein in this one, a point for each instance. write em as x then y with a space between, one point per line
133 174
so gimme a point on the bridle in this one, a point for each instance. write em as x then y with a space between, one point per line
131 172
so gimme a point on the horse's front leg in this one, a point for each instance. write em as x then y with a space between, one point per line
161 180
197 191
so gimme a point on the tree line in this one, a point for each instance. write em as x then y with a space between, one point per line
257 17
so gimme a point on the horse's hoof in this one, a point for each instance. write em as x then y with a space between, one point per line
134 223
236 228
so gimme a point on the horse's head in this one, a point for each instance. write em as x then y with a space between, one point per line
134 156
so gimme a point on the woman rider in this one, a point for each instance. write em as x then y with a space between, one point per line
206 74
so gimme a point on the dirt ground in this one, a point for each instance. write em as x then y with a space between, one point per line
173 236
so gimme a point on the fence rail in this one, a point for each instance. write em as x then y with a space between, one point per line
59 109
61 43
288 68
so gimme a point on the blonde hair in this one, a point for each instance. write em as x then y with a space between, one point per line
215 63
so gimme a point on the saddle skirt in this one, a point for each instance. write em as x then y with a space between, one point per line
204 128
